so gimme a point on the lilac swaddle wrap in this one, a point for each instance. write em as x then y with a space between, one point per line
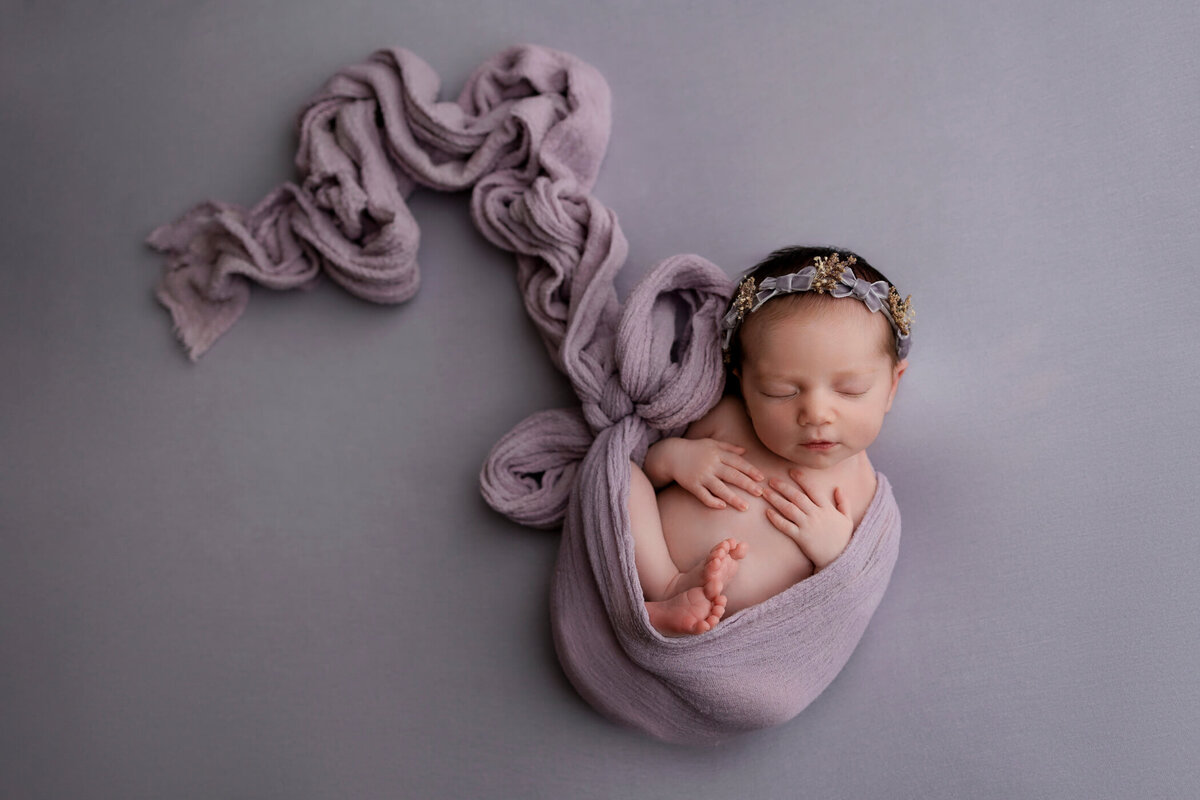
527 136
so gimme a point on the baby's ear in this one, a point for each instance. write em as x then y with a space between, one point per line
897 371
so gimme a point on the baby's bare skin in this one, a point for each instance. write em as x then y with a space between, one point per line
773 560
698 608
781 471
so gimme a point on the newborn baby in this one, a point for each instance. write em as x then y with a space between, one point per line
766 488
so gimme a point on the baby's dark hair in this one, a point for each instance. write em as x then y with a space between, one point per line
787 260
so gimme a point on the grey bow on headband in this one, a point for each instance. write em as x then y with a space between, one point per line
794 282
873 294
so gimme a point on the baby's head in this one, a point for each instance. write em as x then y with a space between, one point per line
816 340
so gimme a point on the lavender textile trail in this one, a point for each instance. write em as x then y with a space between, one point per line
527 136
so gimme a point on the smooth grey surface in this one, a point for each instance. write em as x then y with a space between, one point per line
270 574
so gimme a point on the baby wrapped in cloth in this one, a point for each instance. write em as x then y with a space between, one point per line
527 135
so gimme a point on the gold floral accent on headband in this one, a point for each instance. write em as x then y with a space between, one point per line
902 312
829 270
744 300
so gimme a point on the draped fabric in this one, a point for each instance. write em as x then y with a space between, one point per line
527 135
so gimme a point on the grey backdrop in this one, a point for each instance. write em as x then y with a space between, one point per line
270 574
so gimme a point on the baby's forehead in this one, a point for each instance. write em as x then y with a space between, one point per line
849 315
853 325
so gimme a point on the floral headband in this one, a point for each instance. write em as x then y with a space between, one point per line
829 276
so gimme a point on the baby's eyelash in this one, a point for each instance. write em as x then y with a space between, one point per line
793 394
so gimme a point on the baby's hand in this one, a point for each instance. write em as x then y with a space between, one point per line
821 530
709 468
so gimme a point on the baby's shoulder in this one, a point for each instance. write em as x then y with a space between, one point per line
727 416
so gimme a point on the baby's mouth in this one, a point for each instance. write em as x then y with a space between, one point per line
819 445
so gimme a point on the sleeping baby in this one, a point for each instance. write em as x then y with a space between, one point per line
767 488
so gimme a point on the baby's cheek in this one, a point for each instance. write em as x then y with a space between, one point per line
872 426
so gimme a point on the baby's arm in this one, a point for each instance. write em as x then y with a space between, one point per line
705 466
820 530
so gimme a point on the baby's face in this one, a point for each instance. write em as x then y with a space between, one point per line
816 382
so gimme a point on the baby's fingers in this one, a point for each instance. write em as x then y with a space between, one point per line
794 492
812 497
732 475
782 505
782 523
722 490
839 501
745 467
729 447
709 499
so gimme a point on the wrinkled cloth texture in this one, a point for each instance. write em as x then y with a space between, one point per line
527 135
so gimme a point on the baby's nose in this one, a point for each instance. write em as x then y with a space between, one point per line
815 409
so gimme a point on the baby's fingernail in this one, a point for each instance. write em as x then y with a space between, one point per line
757 491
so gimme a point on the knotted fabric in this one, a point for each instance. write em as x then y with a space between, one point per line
527 136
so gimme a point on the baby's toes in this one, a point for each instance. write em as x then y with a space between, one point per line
713 586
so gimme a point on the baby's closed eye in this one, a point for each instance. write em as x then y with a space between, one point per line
853 388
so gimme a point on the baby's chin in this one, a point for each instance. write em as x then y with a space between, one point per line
810 459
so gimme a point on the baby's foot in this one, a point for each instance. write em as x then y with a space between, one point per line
721 565
686 612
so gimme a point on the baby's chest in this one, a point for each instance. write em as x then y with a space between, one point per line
691 529
856 485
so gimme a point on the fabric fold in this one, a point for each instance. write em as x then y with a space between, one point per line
526 136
